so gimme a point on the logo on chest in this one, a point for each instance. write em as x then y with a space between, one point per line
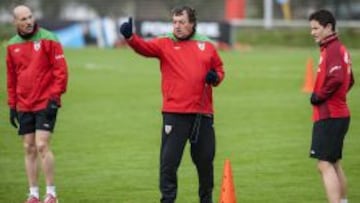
37 45
319 64
201 46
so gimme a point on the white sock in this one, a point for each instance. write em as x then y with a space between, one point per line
34 191
51 190
344 201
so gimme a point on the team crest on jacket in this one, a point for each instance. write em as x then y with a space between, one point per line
320 61
37 45
168 129
201 46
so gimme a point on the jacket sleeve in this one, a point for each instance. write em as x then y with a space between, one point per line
352 81
59 70
149 48
11 80
217 64
335 75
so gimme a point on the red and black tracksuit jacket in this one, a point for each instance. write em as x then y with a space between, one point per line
36 71
333 80
183 66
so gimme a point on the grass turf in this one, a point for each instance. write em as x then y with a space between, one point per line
107 136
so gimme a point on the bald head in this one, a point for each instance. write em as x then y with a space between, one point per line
21 10
23 19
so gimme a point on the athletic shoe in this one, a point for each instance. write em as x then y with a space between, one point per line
32 199
50 199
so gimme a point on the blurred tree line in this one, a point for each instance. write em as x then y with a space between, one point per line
51 9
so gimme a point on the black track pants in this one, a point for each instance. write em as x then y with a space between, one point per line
175 133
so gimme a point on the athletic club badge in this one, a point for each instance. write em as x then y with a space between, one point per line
201 46
320 61
168 129
37 46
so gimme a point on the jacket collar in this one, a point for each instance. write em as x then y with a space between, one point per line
325 42
29 35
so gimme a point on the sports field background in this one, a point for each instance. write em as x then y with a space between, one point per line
107 137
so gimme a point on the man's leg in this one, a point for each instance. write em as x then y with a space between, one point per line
31 163
330 180
342 179
174 137
202 154
46 155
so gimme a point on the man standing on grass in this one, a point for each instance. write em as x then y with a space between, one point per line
190 66
331 114
36 79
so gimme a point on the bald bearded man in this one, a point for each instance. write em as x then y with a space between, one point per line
36 78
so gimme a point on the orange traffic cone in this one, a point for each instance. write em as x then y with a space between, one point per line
227 187
309 76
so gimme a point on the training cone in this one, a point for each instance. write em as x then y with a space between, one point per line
309 76
227 187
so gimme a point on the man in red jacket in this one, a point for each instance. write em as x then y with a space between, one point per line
331 114
36 79
190 66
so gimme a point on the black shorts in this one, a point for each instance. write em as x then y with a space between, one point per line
327 139
39 120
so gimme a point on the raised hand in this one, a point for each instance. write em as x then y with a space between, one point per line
126 28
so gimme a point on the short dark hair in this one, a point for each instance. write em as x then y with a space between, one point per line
324 17
190 12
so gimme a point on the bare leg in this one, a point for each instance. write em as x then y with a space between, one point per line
31 164
342 179
330 180
46 156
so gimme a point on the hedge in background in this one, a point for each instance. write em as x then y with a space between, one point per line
292 36
299 37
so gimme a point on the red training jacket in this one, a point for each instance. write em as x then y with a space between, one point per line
183 66
36 71
334 79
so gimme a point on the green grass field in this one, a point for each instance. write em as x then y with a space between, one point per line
107 136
